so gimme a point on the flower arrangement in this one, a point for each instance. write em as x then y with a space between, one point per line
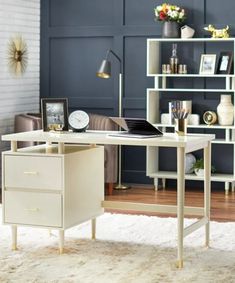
170 13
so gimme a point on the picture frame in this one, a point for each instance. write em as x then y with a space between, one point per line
54 114
225 62
207 64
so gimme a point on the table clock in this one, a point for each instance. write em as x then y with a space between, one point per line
79 121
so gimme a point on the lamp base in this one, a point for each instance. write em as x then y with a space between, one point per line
121 187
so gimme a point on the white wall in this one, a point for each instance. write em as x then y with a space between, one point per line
19 94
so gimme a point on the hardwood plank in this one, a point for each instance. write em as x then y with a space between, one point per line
222 206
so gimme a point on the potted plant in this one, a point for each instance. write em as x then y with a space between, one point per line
198 167
171 16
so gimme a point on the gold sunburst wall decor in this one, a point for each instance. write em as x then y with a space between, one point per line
17 55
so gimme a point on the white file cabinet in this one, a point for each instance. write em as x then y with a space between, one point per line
43 188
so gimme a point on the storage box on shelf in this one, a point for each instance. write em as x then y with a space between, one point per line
153 106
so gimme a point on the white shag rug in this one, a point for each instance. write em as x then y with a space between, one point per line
128 249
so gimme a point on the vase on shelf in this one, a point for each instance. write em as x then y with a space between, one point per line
174 60
225 111
170 29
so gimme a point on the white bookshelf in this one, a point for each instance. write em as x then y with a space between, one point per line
173 175
192 90
191 76
202 126
161 87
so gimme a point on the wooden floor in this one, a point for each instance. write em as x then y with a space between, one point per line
222 206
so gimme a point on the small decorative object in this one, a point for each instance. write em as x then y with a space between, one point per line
190 160
218 33
174 61
79 121
165 118
193 119
207 65
171 119
182 69
17 55
210 117
186 105
163 68
54 114
187 32
198 168
168 68
181 126
171 16
180 114
225 110
225 62
185 71
183 107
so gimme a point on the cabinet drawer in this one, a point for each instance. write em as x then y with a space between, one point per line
44 209
34 172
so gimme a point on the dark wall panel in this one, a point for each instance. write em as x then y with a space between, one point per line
136 80
220 12
75 35
81 12
139 12
73 62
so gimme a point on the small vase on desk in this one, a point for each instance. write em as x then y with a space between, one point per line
225 110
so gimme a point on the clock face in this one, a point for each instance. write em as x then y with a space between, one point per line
79 120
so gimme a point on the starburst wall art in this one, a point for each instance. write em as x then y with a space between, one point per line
17 55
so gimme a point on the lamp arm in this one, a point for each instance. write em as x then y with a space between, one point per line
116 56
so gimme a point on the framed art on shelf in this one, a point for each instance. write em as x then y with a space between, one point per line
54 114
225 62
207 64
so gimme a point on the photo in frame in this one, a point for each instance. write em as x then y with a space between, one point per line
225 63
207 64
54 114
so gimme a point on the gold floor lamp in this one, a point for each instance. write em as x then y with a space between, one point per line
104 72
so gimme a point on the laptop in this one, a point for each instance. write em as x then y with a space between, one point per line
135 128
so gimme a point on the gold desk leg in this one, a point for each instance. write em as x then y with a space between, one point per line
180 204
61 241
180 264
93 228
207 190
14 237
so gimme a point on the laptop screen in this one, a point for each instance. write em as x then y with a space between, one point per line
136 126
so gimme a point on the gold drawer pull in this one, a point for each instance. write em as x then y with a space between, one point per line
32 209
30 172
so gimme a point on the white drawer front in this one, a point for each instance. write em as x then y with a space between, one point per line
44 209
33 172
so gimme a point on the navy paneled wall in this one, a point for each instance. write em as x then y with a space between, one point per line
75 35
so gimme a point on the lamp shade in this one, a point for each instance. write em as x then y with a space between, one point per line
104 70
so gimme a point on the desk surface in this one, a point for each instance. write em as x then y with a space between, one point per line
101 137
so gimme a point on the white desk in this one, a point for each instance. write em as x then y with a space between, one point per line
184 145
